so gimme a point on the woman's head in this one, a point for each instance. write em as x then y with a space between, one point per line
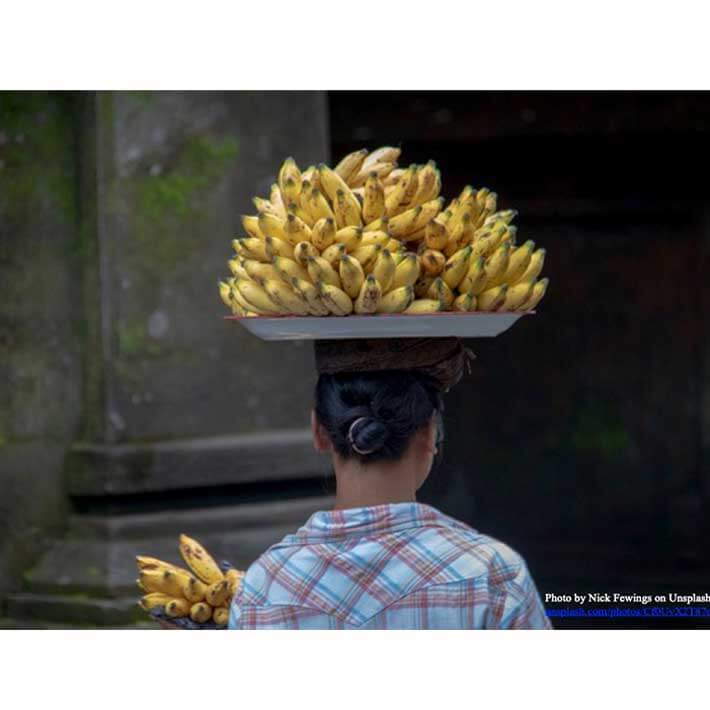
376 416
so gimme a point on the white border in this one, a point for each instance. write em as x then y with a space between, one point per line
506 44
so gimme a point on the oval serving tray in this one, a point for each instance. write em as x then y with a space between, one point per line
396 325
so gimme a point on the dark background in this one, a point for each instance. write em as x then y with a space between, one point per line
128 415
581 437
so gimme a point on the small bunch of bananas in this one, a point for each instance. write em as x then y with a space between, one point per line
368 237
201 595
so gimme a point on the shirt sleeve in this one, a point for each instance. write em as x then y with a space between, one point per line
518 605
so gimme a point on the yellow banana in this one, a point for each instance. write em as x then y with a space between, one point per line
295 209
350 236
378 237
423 305
429 184
516 296
506 216
153 563
422 285
317 206
385 154
367 255
288 268
384 269
481 196
234 577
537 260
350 165
392 178
225 293
237 269
433 262
347 209
333 254
217 592
296 230
320 270
331 182
428 211
284 296
396 197
277 247
310 294
165 581
382 170
311 175
272 226
369 296
251 226
475 279
263 205
177 608
396 301
351 275
497 265
519 261
379 225
435 234
440 290
220 616
199 560
491 299
194 591
289 171
291 191
373 206
302 251
538 291
323 234
406 272
405 223
336 300
237 297
258 300
260 270
486 245
277 202
200 612
153 600
456 267
463 302
250 248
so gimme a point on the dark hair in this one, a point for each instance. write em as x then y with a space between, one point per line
373 415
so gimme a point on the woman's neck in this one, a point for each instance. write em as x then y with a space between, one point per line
380 483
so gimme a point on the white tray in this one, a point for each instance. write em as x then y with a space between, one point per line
435 325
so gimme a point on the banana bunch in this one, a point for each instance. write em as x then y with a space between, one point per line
201 593
369 237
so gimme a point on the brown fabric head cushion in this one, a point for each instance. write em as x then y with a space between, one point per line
443 359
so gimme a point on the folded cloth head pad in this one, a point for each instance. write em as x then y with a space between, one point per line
442 359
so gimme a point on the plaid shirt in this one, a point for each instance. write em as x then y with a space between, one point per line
397 566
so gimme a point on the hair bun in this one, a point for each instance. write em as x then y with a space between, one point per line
367 435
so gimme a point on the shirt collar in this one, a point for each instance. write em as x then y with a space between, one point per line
360 522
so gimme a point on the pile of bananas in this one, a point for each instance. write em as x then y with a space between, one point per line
202 595
368 237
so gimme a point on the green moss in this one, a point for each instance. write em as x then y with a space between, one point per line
168 209
599 430
133 339
37 155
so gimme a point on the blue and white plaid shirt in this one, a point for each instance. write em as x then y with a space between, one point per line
397 566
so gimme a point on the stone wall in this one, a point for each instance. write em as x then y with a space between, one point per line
41 320
119 374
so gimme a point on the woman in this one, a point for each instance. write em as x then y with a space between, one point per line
379 559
